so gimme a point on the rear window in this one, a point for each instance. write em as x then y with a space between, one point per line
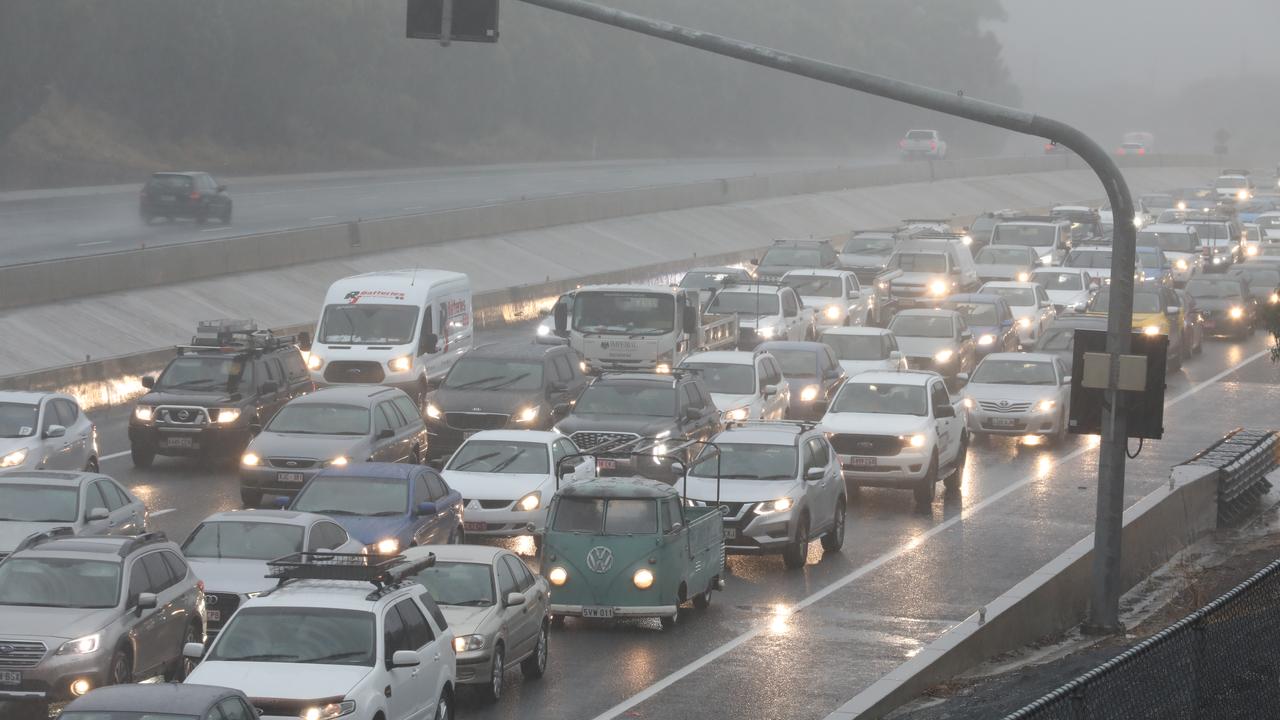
920 135
170 182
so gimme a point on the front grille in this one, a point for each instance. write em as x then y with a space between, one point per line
489 504
588 440
182 415
21 653
354 371
288 708
291 463
747 338
920 363
1004 406
224 603
475 421
867 444
907 290
731 511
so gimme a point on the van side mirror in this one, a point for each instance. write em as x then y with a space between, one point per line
814 473
148 381
193 651
405 658
429 345
962 377
96 514
560 314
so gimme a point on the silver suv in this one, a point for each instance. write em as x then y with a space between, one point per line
78 613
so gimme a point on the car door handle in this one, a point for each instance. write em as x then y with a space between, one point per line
436 656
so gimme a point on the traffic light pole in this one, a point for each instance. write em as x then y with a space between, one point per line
1105 598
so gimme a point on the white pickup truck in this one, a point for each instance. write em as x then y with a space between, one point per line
922 144
765 311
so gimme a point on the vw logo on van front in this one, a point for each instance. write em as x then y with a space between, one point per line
599 559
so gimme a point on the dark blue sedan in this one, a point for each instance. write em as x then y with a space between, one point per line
990 319
812 373
386 506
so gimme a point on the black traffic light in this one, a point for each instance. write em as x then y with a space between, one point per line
469 20
1145 408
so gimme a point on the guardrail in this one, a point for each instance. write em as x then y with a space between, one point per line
1243 458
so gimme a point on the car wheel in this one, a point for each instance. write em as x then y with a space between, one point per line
797 553
924 492
834 539
250 498
952 481
183 665
120 672
444 708
92 465
557 621
702 600
491 692
535 665
142 455
226 216
670 621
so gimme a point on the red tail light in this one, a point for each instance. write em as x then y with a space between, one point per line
933 144
200 584
1048 146
1120 151
902 143
1142 151
194 195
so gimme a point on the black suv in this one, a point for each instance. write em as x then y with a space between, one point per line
193 195
620 407
217 392
787 255
523 387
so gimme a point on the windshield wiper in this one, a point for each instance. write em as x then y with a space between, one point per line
330 512
335 656
473 383
471 603
503 465
262 657
508 381
475 459
193 383
385 513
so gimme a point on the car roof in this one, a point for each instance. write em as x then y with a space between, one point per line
26 397
763 434
1009 284
522 351
927 312
618 487
348 393
752 288
457 553
731 269
381 470
819 272
187 173
152 697
873 234
856 330
646 289
1021 357
45 477
723 357
897 377
333 594
89 547
1051 269
798 242
276 517
538 436
1091 248
791 345
1180 228
985 298
1055 221
998 246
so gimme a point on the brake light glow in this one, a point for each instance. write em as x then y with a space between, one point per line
194 195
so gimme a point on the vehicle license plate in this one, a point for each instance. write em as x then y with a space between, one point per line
475 526
730 533
597 612
290 477
1004 422
606 464
12 677
857 461
213 615
180 441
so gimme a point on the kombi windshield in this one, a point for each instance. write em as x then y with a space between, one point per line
632 313
598 516
368 324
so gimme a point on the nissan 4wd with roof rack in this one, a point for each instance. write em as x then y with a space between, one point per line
78 613
231 377
342 635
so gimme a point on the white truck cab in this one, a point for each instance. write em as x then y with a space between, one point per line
402 328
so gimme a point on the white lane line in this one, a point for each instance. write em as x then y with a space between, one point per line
324 217
95 242
415 207
113 456
158 513
893 554
221 229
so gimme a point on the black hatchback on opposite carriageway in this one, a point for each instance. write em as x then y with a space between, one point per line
194 195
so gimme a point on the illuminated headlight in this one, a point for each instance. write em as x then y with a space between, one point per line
544 330
737 414
1275 298
1023 277
1242 195
1182 205
314 362
968 403
1151 330
584 367
329 710
944 356
81 646
663 368
1024 322
13 459
809 393
530 502
1181 264
558 576
915 441
643 578
433 412
986 339
528 414
1251 250
832 312
660 449
938 287
250 459
465 643
1137 221
143 412
389 546
340 461
1216 260
1046 405
965 239
1237 313
401 364
776 506
765 332
226 416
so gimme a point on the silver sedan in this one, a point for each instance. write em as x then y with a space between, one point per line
1019 394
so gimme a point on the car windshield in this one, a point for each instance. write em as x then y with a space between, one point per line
1171 241
1015 296
1144 303
59 582
500 456
856 347
20 502
1211 231
18 419
309 635
1058 280
1024 235
337 495
868 246
612 517
314 418
369 324
792 257
1228 181
744 303
816 285
748 461
726 378
796 363
122 715
243 540
1150 258
637 398
481 373
1002 256
975 313
206 372
931 326
920 135
1268 222
1213 289
633 313
697 280
1091 259
459 583
881 399
1057 340
1156 201
919 262
1014 372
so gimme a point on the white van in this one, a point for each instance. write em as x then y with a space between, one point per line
401 328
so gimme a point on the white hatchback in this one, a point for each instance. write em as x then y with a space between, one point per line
744 385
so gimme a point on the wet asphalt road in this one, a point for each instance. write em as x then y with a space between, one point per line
43 225
797 644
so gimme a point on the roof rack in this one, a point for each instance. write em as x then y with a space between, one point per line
758 281
384 572
230 335
34 539
141 540
1037 218
785 241
926 221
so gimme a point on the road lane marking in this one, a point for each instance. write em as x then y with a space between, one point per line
880 561
158 513
113 456
324 217
95 242
221 229
415 207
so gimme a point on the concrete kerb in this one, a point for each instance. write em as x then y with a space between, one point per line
1054 598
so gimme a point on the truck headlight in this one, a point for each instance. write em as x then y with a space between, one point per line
765 332
643 578
1251 250
662 368
401 364
1181 264
986 339
314 362
558 576
250 459
433 412
328 711
144 412
530 502
737 414
528 414
1237 313
81 646
832 312
916 441
465 643
944 356
544 330
938 287
387 546
1151 330
775 506
226 416
1046 405
14 459
809 393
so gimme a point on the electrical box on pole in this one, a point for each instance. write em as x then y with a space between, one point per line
1141 379
450 20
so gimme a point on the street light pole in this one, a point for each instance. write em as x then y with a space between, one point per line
1105 599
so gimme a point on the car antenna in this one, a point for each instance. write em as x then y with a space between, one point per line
414 277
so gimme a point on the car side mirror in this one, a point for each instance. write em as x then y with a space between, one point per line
895 355
149 382
429 345
560 313
769 390
944 411
561 409
304 341
405 658
193 651
962 377
55 431
754 261
426 508
255 429
146 601
1066 379
268 388
96 514
675 528
515 599
222 188
1171 310
1059 308
281 501
385 433
1078 307
814 473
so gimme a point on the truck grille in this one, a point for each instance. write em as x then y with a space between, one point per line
1004 406
907 290
866 444
291 463
588 440
475 421
23 655
354 371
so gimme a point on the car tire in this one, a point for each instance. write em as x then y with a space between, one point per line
250 498
226 216
952 481
444 707
834 539
534 666
925 491
796 554
557 621
142 455
491 692
120 671
92 466
182 666
702 600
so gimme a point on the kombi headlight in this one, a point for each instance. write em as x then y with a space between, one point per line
558 576
643 579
